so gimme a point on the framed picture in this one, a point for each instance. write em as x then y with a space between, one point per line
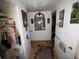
39 21
61 18
75 14
27 36
32 21
48 20
24 16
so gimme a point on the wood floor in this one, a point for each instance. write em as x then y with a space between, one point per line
36 48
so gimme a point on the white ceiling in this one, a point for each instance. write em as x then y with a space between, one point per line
34 5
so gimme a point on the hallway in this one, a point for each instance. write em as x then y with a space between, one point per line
39 29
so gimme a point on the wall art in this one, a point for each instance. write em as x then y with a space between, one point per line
24 16
48 20
61 18
75 13
32 21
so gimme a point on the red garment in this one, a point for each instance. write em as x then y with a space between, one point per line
10 40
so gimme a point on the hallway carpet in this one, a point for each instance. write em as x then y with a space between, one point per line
44 53
42 50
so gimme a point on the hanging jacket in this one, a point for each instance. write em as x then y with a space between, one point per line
4 40
10 40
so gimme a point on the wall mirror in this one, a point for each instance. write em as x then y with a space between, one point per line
39 21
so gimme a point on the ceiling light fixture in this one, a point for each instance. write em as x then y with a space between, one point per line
39 11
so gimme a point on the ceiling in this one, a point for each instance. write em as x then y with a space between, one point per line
44 5
34 5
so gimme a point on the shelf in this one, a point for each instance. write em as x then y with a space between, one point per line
5 19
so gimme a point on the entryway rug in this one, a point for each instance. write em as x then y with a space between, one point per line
43 53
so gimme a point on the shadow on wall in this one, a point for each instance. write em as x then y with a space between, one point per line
77 51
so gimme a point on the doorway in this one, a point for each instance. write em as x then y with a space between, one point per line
53 27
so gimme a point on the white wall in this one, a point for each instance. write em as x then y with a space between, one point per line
69 34
43 34
13 10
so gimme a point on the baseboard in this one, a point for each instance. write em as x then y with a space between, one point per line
55 54
41 40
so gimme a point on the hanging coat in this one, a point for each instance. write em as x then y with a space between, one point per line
10 40
4 40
